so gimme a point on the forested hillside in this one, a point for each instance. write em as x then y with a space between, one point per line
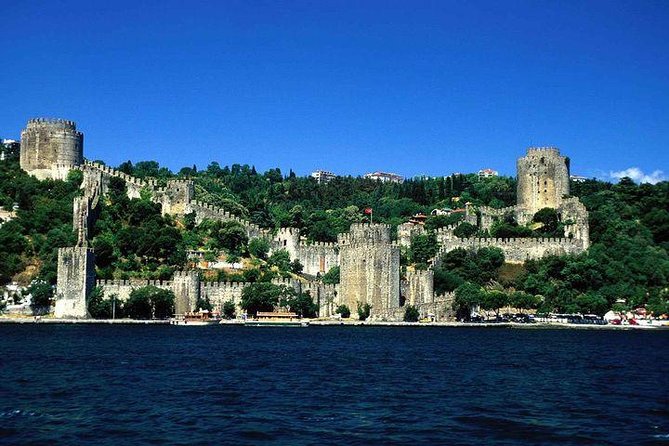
629 230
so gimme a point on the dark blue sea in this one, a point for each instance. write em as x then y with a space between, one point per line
163 385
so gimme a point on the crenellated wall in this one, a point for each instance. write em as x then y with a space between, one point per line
317 258
516 250
211 212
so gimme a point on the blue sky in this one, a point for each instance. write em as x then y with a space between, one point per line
413 87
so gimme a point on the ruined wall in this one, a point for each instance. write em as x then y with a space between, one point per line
75 281
50 148
369 264
574 214
175 197
543 179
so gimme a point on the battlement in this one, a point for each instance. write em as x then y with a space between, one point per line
445 229
324 245
133 283
184 274
288 232
55 123
116 173
543 150
520 241
223 285
366 233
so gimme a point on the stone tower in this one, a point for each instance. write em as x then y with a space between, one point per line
76 280
50 148
543 179
369 268
186 287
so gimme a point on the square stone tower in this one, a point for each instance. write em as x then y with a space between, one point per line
543 179
76 280
369 268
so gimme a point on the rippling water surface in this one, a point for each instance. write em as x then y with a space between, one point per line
69 384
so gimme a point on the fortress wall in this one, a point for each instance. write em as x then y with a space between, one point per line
418 288
123 288
211 212
317 257
517 250
220 292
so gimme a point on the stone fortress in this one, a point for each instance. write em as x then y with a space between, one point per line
369 260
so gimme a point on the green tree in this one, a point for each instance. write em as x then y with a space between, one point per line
494 300
411 314
423 248
344 311
259 247
467 296
523 300
149 302
41 293
548 219
203 304
98 307
332 276
229 309
261 296
364 310
301 304
465 230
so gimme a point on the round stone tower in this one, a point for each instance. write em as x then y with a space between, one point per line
50 148
543 179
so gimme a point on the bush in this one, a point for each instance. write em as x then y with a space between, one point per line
411 314
364 310
344 311
229 309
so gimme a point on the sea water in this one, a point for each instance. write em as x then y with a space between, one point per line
110 385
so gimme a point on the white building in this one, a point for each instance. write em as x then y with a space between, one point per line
487 173
323 176
384 177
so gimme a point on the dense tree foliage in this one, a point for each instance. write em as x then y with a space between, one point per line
150 302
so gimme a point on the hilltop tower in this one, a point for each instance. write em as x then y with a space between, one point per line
543 179
50 148
369 268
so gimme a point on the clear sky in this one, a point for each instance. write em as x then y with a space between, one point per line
412 87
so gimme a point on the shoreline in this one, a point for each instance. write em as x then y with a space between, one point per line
349 323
